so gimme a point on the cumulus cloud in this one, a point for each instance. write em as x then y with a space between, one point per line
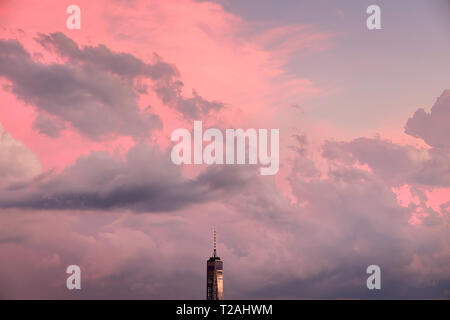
16 160
432 127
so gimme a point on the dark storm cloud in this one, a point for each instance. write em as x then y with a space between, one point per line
146 181
432 127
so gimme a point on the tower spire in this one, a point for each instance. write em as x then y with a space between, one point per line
214 242
214 274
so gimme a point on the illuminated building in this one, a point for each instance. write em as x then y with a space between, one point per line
214 276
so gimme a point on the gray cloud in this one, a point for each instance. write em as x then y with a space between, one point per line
146 181
432 127
193 108
125 65
91 99
395 163
96 90
49 126
101 57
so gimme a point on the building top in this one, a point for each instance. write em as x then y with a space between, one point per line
214 258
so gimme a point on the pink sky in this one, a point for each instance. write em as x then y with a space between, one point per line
87 177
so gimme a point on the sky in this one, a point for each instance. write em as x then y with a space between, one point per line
86 176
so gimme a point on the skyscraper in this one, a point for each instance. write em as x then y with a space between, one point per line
214 276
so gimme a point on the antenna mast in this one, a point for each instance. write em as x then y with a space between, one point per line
214 242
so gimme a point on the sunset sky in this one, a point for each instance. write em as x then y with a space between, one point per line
86 176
